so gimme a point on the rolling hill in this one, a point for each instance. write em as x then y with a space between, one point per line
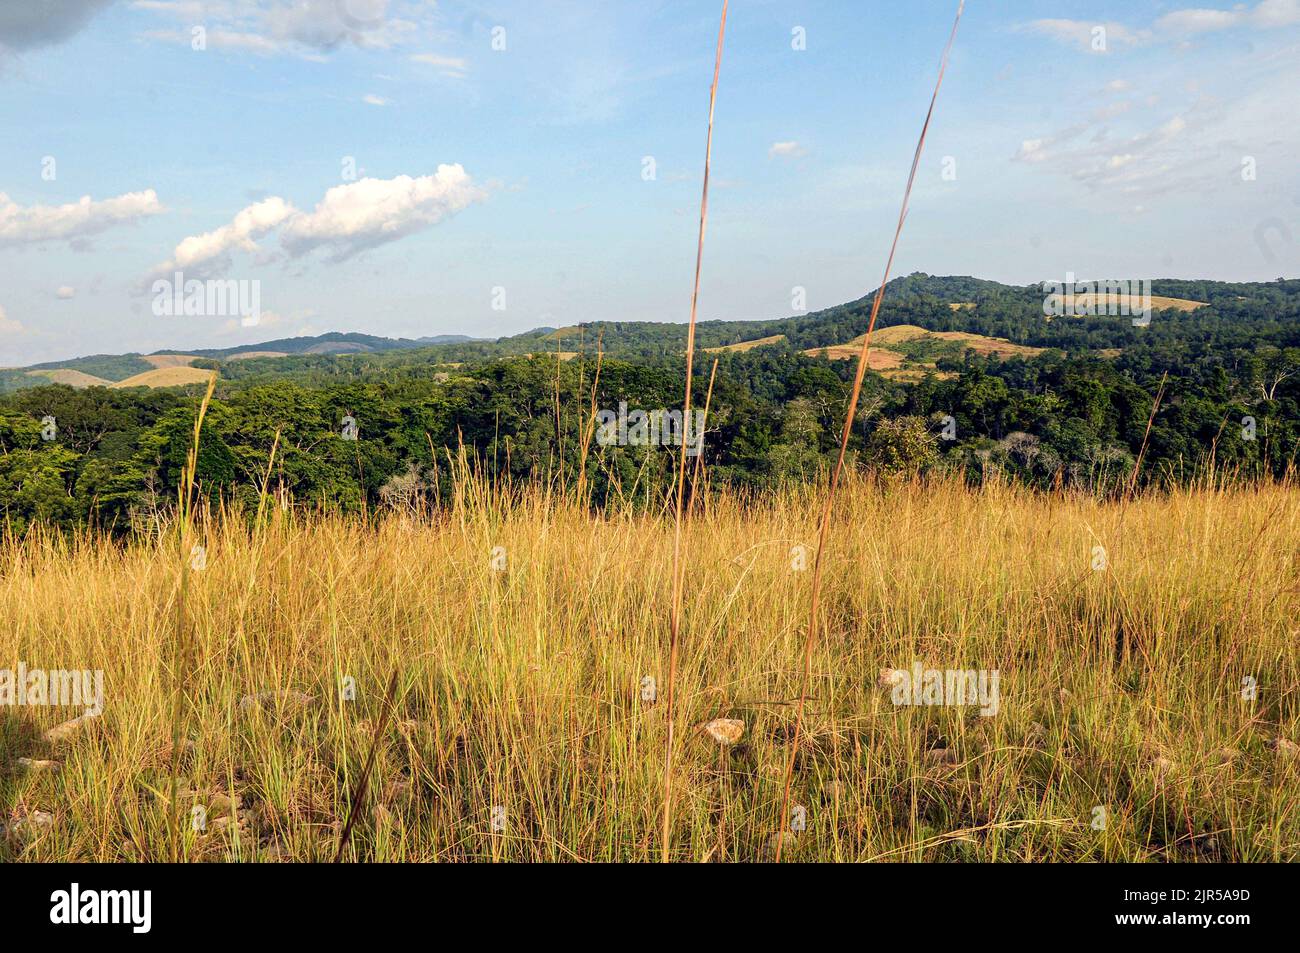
924 319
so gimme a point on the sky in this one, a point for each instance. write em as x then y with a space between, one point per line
411 168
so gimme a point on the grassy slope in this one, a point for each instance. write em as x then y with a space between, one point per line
1120 688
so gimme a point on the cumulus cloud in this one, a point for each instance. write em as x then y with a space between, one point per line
349 219
373 100
26 24
360 215
75 221
271 27
786 150
249 224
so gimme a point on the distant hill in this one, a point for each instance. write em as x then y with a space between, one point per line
949 315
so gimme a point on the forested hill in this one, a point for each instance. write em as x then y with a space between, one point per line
967 375
943 304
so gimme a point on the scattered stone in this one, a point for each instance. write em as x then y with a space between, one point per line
285 701
69 728
36 765
725 731
30 824
889 677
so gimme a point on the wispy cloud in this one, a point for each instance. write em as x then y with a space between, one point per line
454 67
302 27
1176 25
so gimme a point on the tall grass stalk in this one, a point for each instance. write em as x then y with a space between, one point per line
679 555
824 527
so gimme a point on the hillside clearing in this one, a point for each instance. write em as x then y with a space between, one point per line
746 345
72 378
166 377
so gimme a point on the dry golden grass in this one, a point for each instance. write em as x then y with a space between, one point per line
746 345
881 359
167 377
522 689
884 358
72 378
1102 302
169 360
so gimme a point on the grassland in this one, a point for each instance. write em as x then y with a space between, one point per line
744 346
72 378
520 681
168 376
909 352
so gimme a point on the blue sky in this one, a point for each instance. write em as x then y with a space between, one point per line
523 168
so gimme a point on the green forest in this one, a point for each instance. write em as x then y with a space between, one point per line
1079 413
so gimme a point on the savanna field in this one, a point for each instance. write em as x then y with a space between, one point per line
522 628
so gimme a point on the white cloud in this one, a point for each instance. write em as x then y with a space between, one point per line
8 326
349 219
1276 13
1269 14
251 223
373 100
451 66
75 221
360 215
1087 34
305 27
786 150
1177 24
66 293
1033 150
1197 21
